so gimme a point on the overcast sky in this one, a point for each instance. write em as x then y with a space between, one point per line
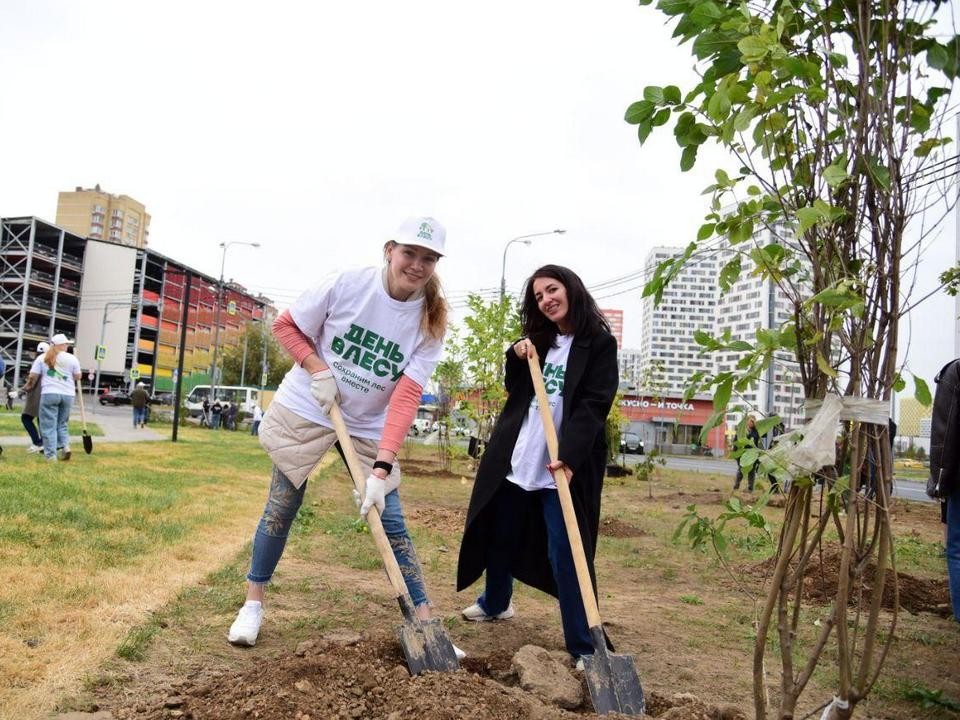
315 128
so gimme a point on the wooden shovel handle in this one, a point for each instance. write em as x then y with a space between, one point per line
563 490
83 415
373 517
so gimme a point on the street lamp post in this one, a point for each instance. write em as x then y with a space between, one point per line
523 239
103 329
216 327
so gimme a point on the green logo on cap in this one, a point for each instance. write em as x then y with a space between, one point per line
426 232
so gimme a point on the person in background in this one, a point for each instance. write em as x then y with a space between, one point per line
257 417
944 481
31 400
753 440
368 341
216 413
232 410
139 400
61 373
515 527
205 418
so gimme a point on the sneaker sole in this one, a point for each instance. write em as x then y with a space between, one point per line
245 642
487 618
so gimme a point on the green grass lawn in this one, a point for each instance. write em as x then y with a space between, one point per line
10 425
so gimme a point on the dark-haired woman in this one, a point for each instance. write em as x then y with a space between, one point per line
367 340
515 526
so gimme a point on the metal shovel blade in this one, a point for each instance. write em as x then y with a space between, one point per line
426 644
87 443
612 680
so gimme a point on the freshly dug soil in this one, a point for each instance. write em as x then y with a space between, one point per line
614 527
820 582
366 680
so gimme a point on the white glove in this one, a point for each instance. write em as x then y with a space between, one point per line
374 495
324 389
357 500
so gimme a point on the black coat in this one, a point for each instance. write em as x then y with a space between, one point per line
590 384
944 478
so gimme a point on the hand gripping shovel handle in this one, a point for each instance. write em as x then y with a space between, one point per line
563 491
425 643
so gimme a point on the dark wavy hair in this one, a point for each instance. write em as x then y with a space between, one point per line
584 314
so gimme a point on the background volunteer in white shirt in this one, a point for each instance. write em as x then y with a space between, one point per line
58 385
370 340
515 527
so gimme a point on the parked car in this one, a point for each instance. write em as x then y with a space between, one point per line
163 398
631 443
114 397
420 426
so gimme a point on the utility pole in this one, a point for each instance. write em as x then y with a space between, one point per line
184 316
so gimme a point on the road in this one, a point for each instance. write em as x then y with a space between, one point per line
906 489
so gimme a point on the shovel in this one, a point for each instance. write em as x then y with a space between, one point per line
612 679
425 643
87 440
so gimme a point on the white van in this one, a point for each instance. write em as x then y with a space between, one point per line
244 397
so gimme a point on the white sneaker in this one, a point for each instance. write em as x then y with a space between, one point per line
579 664
64 452
476 613
458 652
246 627
34 449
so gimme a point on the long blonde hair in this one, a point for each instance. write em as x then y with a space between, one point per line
50 356
434 319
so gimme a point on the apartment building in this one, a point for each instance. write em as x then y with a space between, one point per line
629 362
615 320
99 215
668 354
751 304
127 301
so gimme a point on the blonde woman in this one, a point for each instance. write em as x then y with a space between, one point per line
368 340
58 386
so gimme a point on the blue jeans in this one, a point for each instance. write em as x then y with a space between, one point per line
255 428
139 416
31 429
509 508
953 551
282 505
54 414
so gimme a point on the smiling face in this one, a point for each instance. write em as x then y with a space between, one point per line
409 267
551 297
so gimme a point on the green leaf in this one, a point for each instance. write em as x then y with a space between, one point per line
671 94
753 49
653 94
937 56
743 118
661 117
639 111
767 424
729 274
688 157
643 130
715 419
899 383
825 366
921 391
705 231
749 457
721 397
808 217
835 175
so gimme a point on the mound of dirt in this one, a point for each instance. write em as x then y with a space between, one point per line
445 520
368 679
428 470
820 581
614 527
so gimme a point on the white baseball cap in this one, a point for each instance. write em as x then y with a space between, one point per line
423 231
42 347
60 339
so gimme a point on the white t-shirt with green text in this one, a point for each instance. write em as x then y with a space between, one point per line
368 339
59 380
528 464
